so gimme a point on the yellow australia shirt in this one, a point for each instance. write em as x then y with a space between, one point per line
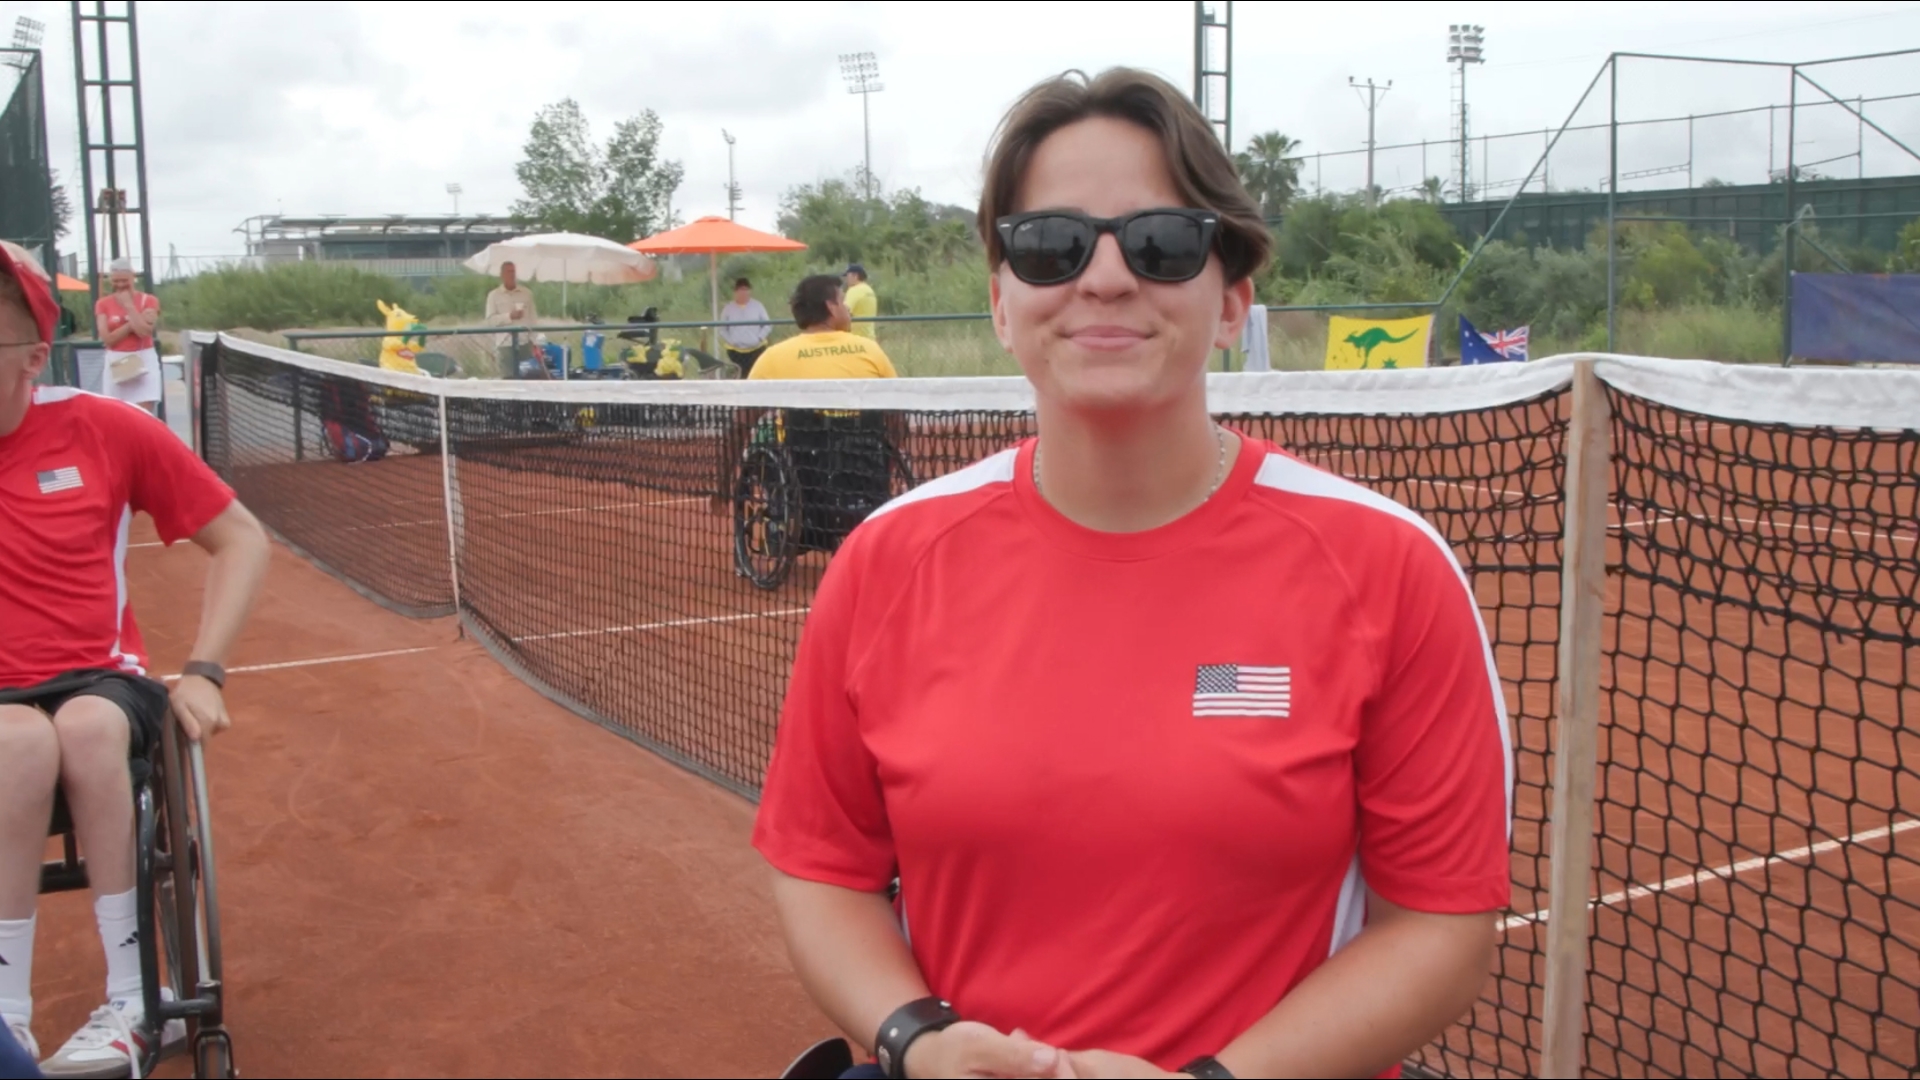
835 354
863 304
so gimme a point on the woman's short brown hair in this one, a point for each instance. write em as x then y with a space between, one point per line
1200 166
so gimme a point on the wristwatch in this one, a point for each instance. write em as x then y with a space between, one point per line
207 670
903 1026
1207 1068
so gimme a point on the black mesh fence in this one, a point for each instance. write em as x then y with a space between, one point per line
651 564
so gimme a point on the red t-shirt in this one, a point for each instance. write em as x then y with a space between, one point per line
71 477
110 314
1134 785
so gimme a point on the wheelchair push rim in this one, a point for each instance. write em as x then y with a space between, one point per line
178 897
767 518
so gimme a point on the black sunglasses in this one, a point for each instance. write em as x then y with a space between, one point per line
1050 247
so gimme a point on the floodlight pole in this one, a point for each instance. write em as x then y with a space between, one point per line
733 189
862 73
1465 45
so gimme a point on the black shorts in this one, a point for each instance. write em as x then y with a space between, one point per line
144 701
745 358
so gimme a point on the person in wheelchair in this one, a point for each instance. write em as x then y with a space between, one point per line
79 712
811 475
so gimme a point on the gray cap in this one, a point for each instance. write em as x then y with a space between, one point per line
121 265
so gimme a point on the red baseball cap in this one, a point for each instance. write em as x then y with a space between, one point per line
18 264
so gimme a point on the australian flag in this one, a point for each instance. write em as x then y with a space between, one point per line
1496 348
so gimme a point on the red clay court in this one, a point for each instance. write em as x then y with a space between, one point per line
427 869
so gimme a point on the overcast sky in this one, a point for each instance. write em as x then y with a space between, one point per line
350 108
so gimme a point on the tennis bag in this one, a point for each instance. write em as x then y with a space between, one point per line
346 415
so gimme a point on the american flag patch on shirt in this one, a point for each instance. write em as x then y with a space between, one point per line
1239 690
58 480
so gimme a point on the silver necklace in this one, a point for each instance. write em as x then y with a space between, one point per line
1219 467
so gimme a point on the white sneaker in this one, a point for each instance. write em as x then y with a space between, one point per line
23 1035
107 1045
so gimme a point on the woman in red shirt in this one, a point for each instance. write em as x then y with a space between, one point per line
126 319
1186 755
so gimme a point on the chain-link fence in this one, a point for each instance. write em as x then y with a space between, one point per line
26 179
918 345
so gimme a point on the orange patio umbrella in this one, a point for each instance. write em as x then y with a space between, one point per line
714 236
69 284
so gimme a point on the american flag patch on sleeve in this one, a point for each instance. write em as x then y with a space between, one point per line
58 480
1239 690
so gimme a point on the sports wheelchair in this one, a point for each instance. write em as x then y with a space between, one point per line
806 478
176 900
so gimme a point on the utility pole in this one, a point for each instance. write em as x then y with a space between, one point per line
733 189
862 73
1374 93
1465 45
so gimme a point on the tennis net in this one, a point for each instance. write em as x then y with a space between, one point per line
636 552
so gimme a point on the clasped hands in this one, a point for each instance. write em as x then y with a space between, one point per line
970 1049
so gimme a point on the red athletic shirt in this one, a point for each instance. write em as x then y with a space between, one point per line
110 314
71 478
1134 784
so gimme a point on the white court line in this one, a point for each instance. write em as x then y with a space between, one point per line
530 513
1870 534
1718 873
607 506
317 661
668 625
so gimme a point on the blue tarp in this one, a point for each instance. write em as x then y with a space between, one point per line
1869 318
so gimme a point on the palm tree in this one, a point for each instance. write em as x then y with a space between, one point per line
1430 189
1270 167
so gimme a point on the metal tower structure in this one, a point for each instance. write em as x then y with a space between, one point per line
106 74
1213 66
1465 45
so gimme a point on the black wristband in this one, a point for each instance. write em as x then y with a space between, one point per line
207 670
1207 1068
905 1024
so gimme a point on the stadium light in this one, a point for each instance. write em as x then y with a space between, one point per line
862 72
455 190
26 37
1466 44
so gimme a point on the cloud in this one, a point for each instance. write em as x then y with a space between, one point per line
374 108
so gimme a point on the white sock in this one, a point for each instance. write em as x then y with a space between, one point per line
120 933
16 970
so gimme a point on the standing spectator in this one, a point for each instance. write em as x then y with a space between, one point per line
861 301
744 343
125 319
511 305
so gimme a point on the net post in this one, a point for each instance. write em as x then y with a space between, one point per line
446 497
1583 582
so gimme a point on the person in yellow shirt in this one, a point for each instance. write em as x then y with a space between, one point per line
861 299
826 347
823 349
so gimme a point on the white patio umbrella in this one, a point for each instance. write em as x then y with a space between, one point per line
566 258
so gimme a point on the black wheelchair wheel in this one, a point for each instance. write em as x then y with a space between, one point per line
190 910
767 518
